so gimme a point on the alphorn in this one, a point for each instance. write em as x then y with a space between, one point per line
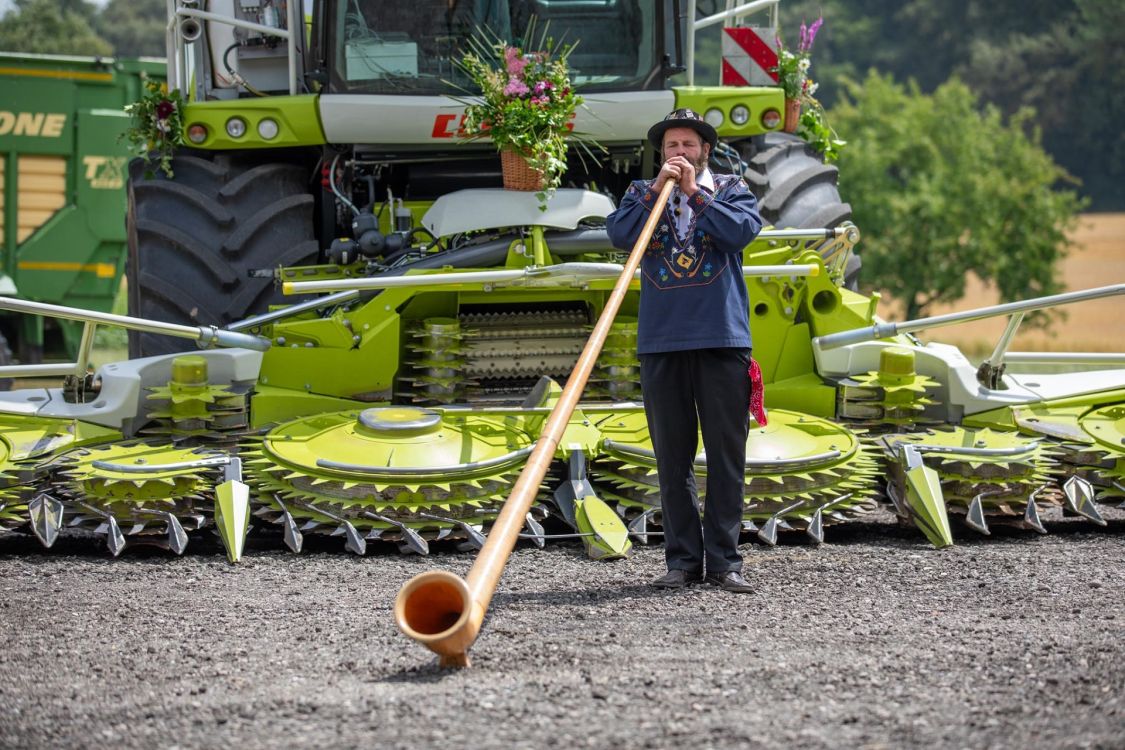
443 611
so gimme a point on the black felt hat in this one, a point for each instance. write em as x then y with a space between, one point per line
682 118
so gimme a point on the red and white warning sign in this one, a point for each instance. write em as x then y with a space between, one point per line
748 54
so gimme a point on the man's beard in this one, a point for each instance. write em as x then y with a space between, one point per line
701 164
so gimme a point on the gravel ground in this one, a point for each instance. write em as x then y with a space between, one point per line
872 640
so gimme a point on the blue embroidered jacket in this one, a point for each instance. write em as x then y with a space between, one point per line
693 294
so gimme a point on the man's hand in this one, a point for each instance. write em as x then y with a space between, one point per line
681 170
670 170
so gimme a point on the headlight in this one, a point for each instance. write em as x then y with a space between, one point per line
197 133
236 127
713 117
771 118
740 114
268 129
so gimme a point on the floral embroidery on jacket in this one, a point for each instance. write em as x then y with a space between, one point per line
690 260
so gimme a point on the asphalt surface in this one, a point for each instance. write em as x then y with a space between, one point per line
872 640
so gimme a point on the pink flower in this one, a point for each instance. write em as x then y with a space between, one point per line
516 87
515 61
808 35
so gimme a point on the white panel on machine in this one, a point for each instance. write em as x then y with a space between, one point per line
490 208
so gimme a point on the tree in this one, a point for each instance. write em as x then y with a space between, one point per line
1068 69
1063 58
940 187
135 28
60 27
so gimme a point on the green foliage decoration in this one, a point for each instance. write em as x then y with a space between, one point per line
942 187
157 125
814 128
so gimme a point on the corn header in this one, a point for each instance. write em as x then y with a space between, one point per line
400 407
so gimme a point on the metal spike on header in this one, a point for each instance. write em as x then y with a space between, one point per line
411 539
1080 499
474 538
535 530
176 536
815 528
1031 514
114 539
974 518
46 515
638 527
293 537
353 542
768 532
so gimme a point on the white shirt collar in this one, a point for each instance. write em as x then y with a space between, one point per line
683 218
706 179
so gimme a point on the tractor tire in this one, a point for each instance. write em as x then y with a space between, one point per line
795 188
194 238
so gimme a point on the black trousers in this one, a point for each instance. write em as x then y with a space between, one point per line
686 392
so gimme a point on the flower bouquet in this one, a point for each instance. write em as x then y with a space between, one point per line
157 127
526 107
804 115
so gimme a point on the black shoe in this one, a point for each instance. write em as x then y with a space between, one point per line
730 580
677 579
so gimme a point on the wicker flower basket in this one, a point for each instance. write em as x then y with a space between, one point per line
517 174
792 115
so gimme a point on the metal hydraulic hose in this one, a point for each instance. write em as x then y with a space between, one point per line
444 612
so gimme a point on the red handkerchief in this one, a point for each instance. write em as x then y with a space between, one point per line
757 394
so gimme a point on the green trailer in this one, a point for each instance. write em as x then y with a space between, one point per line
63 167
